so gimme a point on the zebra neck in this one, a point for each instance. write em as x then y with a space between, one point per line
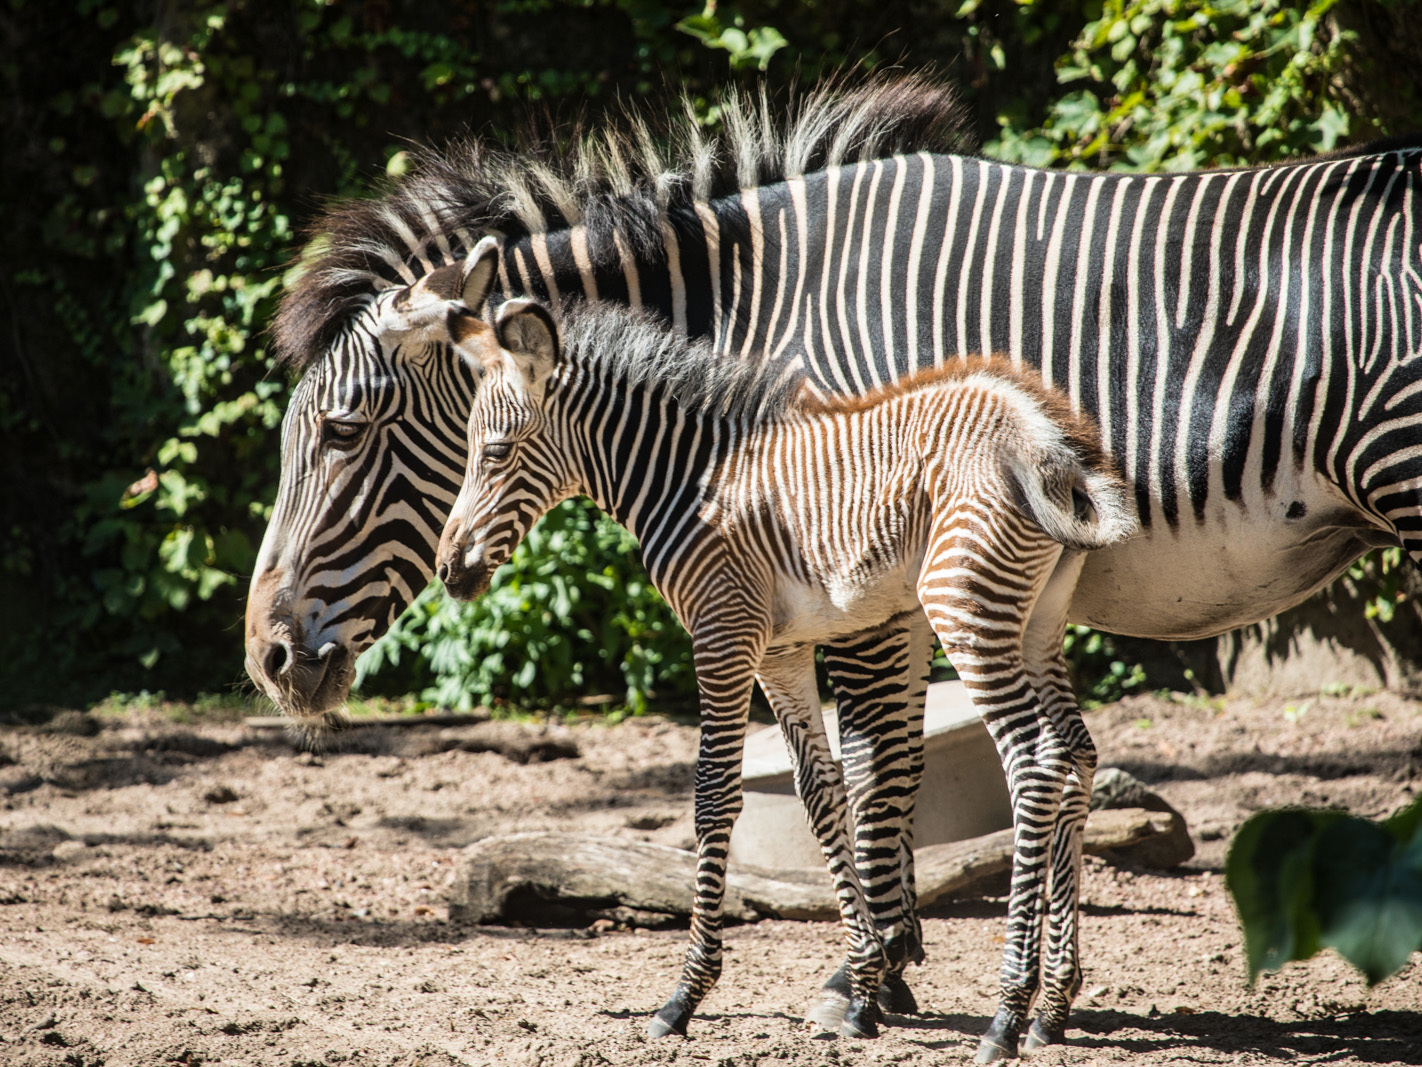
645 460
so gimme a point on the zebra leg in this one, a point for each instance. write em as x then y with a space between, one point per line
1042 648
879 682
725 674
788 680
978 598
1061 968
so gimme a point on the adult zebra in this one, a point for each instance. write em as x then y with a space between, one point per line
1248 341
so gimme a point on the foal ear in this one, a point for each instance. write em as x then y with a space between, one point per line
526 331
481 268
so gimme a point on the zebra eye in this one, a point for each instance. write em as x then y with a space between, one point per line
336 432
496 451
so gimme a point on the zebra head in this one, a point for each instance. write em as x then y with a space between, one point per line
367 477
516 469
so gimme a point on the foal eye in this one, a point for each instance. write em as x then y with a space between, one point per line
498 450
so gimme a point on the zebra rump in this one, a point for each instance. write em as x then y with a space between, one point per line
1061 477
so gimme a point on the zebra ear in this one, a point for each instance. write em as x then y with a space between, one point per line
481 268
526 331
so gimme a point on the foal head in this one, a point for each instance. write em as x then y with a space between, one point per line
518 467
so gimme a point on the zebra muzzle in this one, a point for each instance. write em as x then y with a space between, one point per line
462 582
304 682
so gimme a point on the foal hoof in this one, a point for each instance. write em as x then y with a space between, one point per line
1000 1041
861 1020
896 998
672 1018
827 1016
1039 1035
659 1027
991 1051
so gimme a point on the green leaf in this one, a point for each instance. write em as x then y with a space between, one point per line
1368 896
1268 874
1303 880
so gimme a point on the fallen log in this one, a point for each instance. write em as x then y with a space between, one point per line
590 877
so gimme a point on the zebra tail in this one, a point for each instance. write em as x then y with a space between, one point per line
1075 504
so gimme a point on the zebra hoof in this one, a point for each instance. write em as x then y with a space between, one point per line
659 1027
1040 1035
671 1020
861 1020
827 1016
990 1051
828 1012
896 998
1000 1041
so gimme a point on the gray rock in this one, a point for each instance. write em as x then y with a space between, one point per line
1115 788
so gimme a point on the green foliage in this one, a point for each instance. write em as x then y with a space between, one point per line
158 169
1381 574
747 48
571 614
1306 880
1099 672
1182 84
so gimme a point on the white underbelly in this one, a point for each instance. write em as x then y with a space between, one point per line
1238 566
819 613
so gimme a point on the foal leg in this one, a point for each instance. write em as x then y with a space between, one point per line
1042 646
788 679
979 610
880 680
725 675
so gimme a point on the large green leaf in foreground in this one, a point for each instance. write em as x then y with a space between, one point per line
1305 880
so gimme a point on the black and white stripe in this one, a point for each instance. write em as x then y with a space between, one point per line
1248 341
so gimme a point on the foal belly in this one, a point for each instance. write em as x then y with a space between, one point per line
816 614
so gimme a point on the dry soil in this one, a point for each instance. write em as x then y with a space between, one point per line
213 894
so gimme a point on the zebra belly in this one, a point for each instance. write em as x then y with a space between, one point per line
814 614
1203 579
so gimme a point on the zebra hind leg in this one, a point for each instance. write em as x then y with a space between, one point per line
1046 665
1061 966
879 681
788 680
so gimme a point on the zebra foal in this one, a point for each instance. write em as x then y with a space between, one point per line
773 521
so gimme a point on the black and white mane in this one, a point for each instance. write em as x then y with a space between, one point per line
621 182
631 348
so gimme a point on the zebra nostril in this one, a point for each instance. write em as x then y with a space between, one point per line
443 572
277 660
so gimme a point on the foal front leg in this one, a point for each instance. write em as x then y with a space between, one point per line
725 674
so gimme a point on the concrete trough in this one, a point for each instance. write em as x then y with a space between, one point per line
964 793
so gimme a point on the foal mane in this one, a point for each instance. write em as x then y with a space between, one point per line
619 179
632 348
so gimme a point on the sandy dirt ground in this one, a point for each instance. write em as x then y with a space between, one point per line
186 894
